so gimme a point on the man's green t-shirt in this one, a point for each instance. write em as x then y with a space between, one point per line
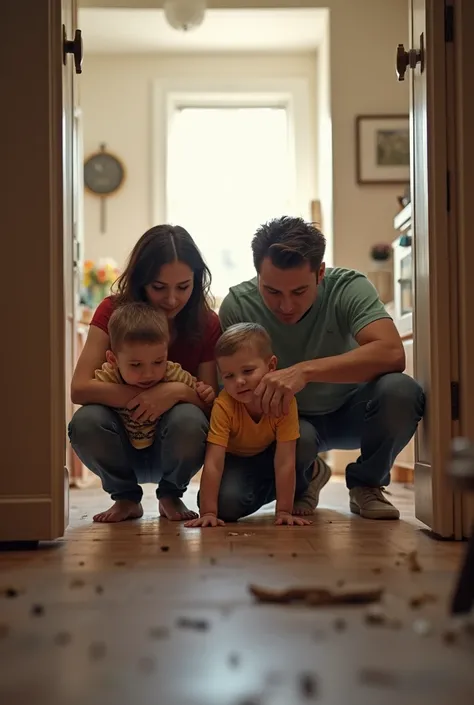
346 303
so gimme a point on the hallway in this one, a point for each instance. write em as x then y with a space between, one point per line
151 612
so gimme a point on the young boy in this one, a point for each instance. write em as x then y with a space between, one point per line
138 352
238 426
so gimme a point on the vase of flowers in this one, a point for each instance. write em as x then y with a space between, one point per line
381 271
97 280
380 254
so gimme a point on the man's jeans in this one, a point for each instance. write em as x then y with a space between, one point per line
380 418
99 439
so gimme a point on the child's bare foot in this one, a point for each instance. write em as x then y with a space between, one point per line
121 510
174 509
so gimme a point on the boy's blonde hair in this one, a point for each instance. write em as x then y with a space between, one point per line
137 323
243 335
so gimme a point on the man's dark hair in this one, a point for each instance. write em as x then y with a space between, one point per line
289 242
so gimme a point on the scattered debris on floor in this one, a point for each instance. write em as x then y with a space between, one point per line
4 631
422 627
159 633
425 598
81 563
413 562
308 686
77 583
199 625
449 636
377 677
236 533
10 592
376 616
37 610
97 650
318 596
340 624
62 639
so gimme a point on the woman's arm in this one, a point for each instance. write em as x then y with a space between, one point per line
84 388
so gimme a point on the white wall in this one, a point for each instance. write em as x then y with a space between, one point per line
117 98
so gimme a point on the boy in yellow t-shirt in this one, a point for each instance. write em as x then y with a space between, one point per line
238 426
138 352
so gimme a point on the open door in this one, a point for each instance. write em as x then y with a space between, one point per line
36 138
438 325
462 56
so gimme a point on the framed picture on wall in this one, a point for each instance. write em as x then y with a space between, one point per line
382 149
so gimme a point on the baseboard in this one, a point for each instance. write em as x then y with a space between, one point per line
403 474
400 473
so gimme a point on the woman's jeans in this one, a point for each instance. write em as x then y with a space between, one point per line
99 439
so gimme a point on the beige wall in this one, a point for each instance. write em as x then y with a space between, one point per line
123 99
363 39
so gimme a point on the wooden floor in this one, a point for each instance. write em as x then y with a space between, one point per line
152 613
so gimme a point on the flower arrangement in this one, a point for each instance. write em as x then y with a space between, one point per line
97 280
380 252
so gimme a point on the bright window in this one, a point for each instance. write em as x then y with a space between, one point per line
230 169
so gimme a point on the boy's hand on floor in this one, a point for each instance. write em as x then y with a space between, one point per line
287 519
205 520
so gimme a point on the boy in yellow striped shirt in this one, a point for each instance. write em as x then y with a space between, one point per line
138 352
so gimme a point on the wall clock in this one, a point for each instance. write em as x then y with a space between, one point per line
104 174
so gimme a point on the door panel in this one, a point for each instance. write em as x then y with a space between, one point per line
33 491
71 148
434 326
463 58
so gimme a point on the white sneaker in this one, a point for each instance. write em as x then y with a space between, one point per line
371 503
307 503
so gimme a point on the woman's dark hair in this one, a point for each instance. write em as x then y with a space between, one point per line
164 244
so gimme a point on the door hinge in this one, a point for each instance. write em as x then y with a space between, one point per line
455 401
448 191
448 23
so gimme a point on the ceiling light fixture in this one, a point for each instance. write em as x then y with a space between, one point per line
184 14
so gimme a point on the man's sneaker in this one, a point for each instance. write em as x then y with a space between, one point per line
307 503
371 503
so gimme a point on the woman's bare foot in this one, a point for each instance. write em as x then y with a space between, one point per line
174 509
121 510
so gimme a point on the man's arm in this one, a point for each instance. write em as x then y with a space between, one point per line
380 351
